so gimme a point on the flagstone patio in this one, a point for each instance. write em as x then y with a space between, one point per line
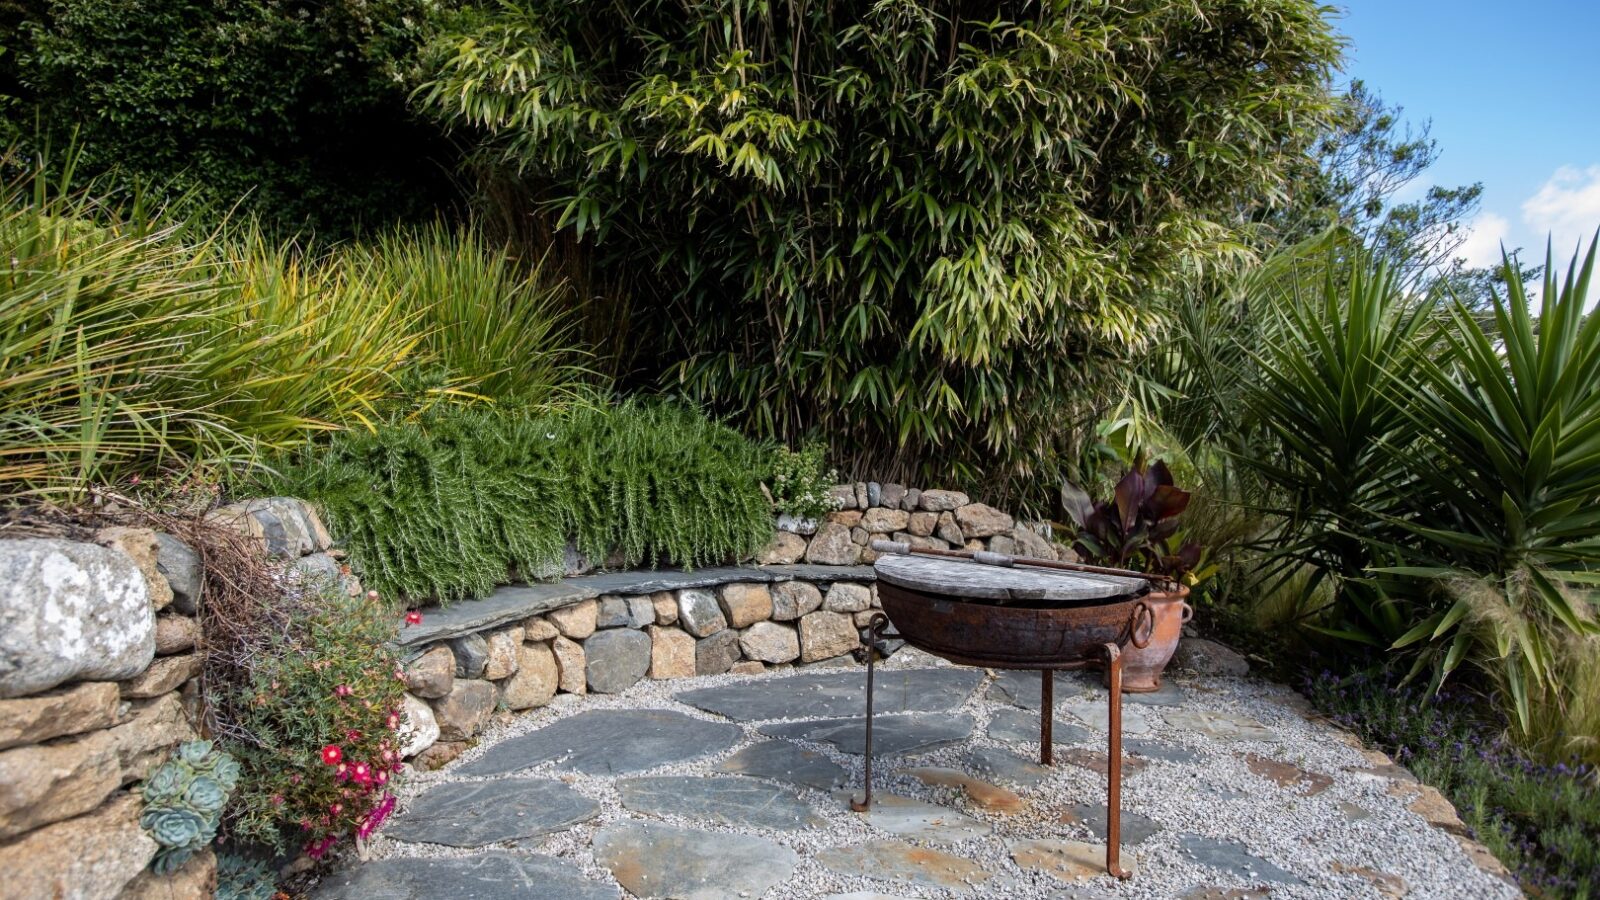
738 787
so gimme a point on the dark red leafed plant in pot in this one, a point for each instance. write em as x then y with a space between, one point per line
1138 529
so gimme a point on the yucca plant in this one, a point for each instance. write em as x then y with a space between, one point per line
1503 499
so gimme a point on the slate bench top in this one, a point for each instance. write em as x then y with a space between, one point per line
514 602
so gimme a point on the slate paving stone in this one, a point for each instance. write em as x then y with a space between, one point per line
835 694
1220 725
1169 694
918 820
609 742
1136 828
1150 748
1095 712
896 861
991 797
890 734
728 800
659 861
1070 861
480 813
488 876
783 761
1003 765
1234 858
1017 727
1023 688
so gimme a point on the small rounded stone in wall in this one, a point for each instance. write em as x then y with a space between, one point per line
672 653
784 549
849 518
770 642
793 599
874 493
884 521
747 667
472 655
1002 543
1030 543
892 496
166 674
824 635
612 613
432 674
832 546
641 611
571 665
920 542
845 597
464 711
948 531
941 501
843 496
576 621
921 523
745 604
699 613
665 607
141 546
537 629
175 634
717 653
616 659
418 728
503 647
862 498
180 565
913 500
535 680
982 520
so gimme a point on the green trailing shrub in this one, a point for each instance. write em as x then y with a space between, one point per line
449 504
927 231
184 800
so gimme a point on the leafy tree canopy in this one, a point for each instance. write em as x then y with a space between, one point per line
925 228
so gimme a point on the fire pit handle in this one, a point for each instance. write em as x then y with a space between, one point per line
1146 614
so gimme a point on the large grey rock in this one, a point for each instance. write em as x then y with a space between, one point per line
616 659
1205 657
836 694
770 642
495 875
70 611
982 520
783 761
699 613
884 521
942 501
1234 858
716 654
472 655
480 813
504 606
658 861
608 742
793 599
726 800
890 734
432 674
180 565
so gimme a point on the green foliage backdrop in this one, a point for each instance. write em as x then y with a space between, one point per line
928 230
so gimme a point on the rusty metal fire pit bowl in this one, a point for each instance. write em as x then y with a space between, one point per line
998 612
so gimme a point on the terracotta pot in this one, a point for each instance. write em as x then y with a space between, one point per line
1142 666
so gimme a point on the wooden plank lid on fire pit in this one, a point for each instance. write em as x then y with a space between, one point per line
957 578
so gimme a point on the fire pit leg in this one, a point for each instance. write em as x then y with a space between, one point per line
1047 708
1114 765
872 641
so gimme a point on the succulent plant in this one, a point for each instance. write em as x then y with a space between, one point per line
242 878
184 799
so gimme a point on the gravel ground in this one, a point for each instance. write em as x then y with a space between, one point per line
1329 840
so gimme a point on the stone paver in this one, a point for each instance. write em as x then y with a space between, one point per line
835 694
608 742
1151 748
899 861
1005 766
891 735
1220 725
991 797
1234 858
1021 727
783 761
488 876
653 861
919 820
1068 861
1136 829
730 800
479 813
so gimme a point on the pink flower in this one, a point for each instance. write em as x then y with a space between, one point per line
388 755
277 799
352 735
413 617
362 773
331 755
372 595
394 721
295 778
343 690
318 848
383 777
336 808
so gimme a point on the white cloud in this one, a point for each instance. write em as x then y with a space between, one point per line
1567 208
1482 246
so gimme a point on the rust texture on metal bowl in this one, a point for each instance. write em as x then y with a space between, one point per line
977 633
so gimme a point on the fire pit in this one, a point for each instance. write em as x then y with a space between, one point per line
1008 616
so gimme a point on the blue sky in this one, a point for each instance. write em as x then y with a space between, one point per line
1513 91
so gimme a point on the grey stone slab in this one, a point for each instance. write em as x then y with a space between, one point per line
728 800
487 876
609 742
823 695
890 734
783 761
1168 694
480 813
1020 727
648 582
1234 858
659 861
814 572
1220 725
1003 765
900 862
1150 748
1095 711
507 604
1023 688
918 820
1136 828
